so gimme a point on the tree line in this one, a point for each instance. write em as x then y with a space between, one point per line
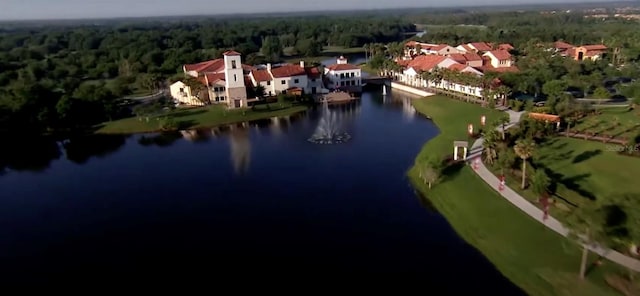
70 77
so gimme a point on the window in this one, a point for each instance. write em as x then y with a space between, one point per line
182 89
283 82
296 81
313 80
341 75
233 65
268 82
235 77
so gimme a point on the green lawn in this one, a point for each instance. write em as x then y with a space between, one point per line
616 122
585 170
198 118
538 260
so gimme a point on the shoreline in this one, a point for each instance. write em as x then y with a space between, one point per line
523 250
205 123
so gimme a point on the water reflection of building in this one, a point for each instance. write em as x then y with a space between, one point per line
240 148
408 111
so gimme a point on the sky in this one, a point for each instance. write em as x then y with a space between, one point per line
57 9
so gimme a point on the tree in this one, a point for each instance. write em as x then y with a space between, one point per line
503 121
309 47
430 172
490 146
601 93
540 183
586 225
198 90
271 48
506 160
524 149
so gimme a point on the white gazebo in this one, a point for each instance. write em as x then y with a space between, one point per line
456 147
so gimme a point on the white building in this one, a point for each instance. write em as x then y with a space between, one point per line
288 77
412 74
342 74
224 80
499 58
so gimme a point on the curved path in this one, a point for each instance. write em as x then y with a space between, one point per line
531 210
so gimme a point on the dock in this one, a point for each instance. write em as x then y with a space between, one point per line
339 97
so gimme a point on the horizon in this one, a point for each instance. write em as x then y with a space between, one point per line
15 8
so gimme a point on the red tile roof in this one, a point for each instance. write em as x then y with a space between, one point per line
231 53
594 47
426 62
467 48
343 67
261 75
562 45
212 78
505 46
313 72
208 66
457 67
481 46
458 57
512 69
411 44
247 80
288 71
440 47
472 56
501 54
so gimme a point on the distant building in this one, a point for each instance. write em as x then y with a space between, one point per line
226 81
343 75
499 58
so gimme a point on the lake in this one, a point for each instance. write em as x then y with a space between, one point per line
255 196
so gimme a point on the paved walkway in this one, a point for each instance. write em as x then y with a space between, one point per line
531 210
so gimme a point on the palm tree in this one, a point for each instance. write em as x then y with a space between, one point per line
490 151
524 149
540 183
503 121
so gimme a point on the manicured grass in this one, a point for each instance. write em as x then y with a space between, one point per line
583 171
535 258
199 117
616 122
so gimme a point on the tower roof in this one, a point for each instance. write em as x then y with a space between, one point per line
231 53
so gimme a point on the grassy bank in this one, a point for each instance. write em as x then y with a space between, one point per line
582 171
198 118
538 260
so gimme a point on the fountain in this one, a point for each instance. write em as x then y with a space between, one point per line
329 129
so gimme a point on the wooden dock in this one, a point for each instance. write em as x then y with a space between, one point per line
339 97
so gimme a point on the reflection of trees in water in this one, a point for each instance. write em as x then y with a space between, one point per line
36 154
32 154
81 149
161 140
240 149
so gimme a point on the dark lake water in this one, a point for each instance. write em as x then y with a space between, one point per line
257 197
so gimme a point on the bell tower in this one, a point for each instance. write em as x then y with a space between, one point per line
234 80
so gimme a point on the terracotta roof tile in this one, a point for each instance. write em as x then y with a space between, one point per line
426 63
343 67
505 46
485 69
208 66
458 57
595 47
501 54
481 46
562 45
288 71
457 67
231 53
313 72
261 75
472 57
